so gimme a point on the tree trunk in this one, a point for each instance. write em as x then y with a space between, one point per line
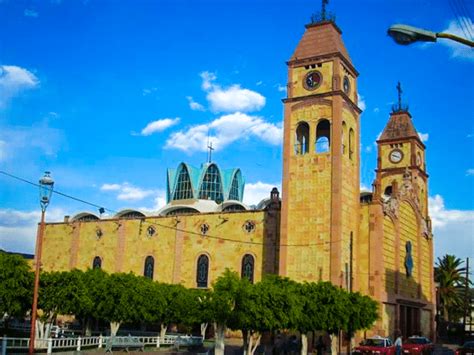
203 330
163 328
88 327
304 344
334 343
256 343
219 338
245 337
114 327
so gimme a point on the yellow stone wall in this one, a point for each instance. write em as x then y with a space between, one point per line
362 256
350 187
426 269
389 245
310 202
388 320
125 244
326 69
408 232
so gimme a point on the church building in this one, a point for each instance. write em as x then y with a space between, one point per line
323 228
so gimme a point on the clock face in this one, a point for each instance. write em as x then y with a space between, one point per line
396 156
346 85
312 80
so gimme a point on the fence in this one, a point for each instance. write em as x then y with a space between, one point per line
87 342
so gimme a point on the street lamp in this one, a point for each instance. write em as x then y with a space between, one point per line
404 34
46 184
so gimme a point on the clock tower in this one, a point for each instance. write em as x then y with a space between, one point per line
320 197
401 157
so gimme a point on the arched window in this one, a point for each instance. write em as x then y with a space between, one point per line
344 137
211 185
248 263
351 143
202 271
97 263
234 188
323 136
388 191
149 267
183 188
302 138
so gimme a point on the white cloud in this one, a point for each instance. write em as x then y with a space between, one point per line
469 172
30 13
149 91
158 202
110 187
159 125
452 229
13 80
207 80
423 136
234 99
368 149
231 99
256 192
281 88
127 192
361 101
224 131
457 49
258 83
18 228
19 140
195 106
376 110
365 188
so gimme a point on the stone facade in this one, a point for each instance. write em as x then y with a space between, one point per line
378 243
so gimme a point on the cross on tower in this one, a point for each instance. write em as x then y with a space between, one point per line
399 89
323 9
209 155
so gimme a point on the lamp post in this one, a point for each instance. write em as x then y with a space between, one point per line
46 184
404 34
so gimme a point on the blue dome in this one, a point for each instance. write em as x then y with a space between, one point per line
207 183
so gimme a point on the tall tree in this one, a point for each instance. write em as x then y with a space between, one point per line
16 285
450 275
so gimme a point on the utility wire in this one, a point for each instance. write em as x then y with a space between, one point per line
167 226
466 18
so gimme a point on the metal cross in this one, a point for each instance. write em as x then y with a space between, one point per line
399 89
323 9
209 146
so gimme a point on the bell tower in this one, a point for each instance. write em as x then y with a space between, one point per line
320 197
401 157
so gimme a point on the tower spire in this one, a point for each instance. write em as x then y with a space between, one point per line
323 15
399 107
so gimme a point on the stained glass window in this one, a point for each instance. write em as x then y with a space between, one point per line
202 271
97 263
183 189
149 267
211 186
248 267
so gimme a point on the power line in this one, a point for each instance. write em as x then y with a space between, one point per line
167 226
457 17
464 17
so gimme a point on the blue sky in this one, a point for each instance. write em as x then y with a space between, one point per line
107 95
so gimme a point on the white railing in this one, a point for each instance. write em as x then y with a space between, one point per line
86 342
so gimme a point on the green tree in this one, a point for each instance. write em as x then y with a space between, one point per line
222 304
449 274
16 285
118 299
325 308
269 305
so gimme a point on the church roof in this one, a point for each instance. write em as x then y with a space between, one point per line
320 39
399 126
